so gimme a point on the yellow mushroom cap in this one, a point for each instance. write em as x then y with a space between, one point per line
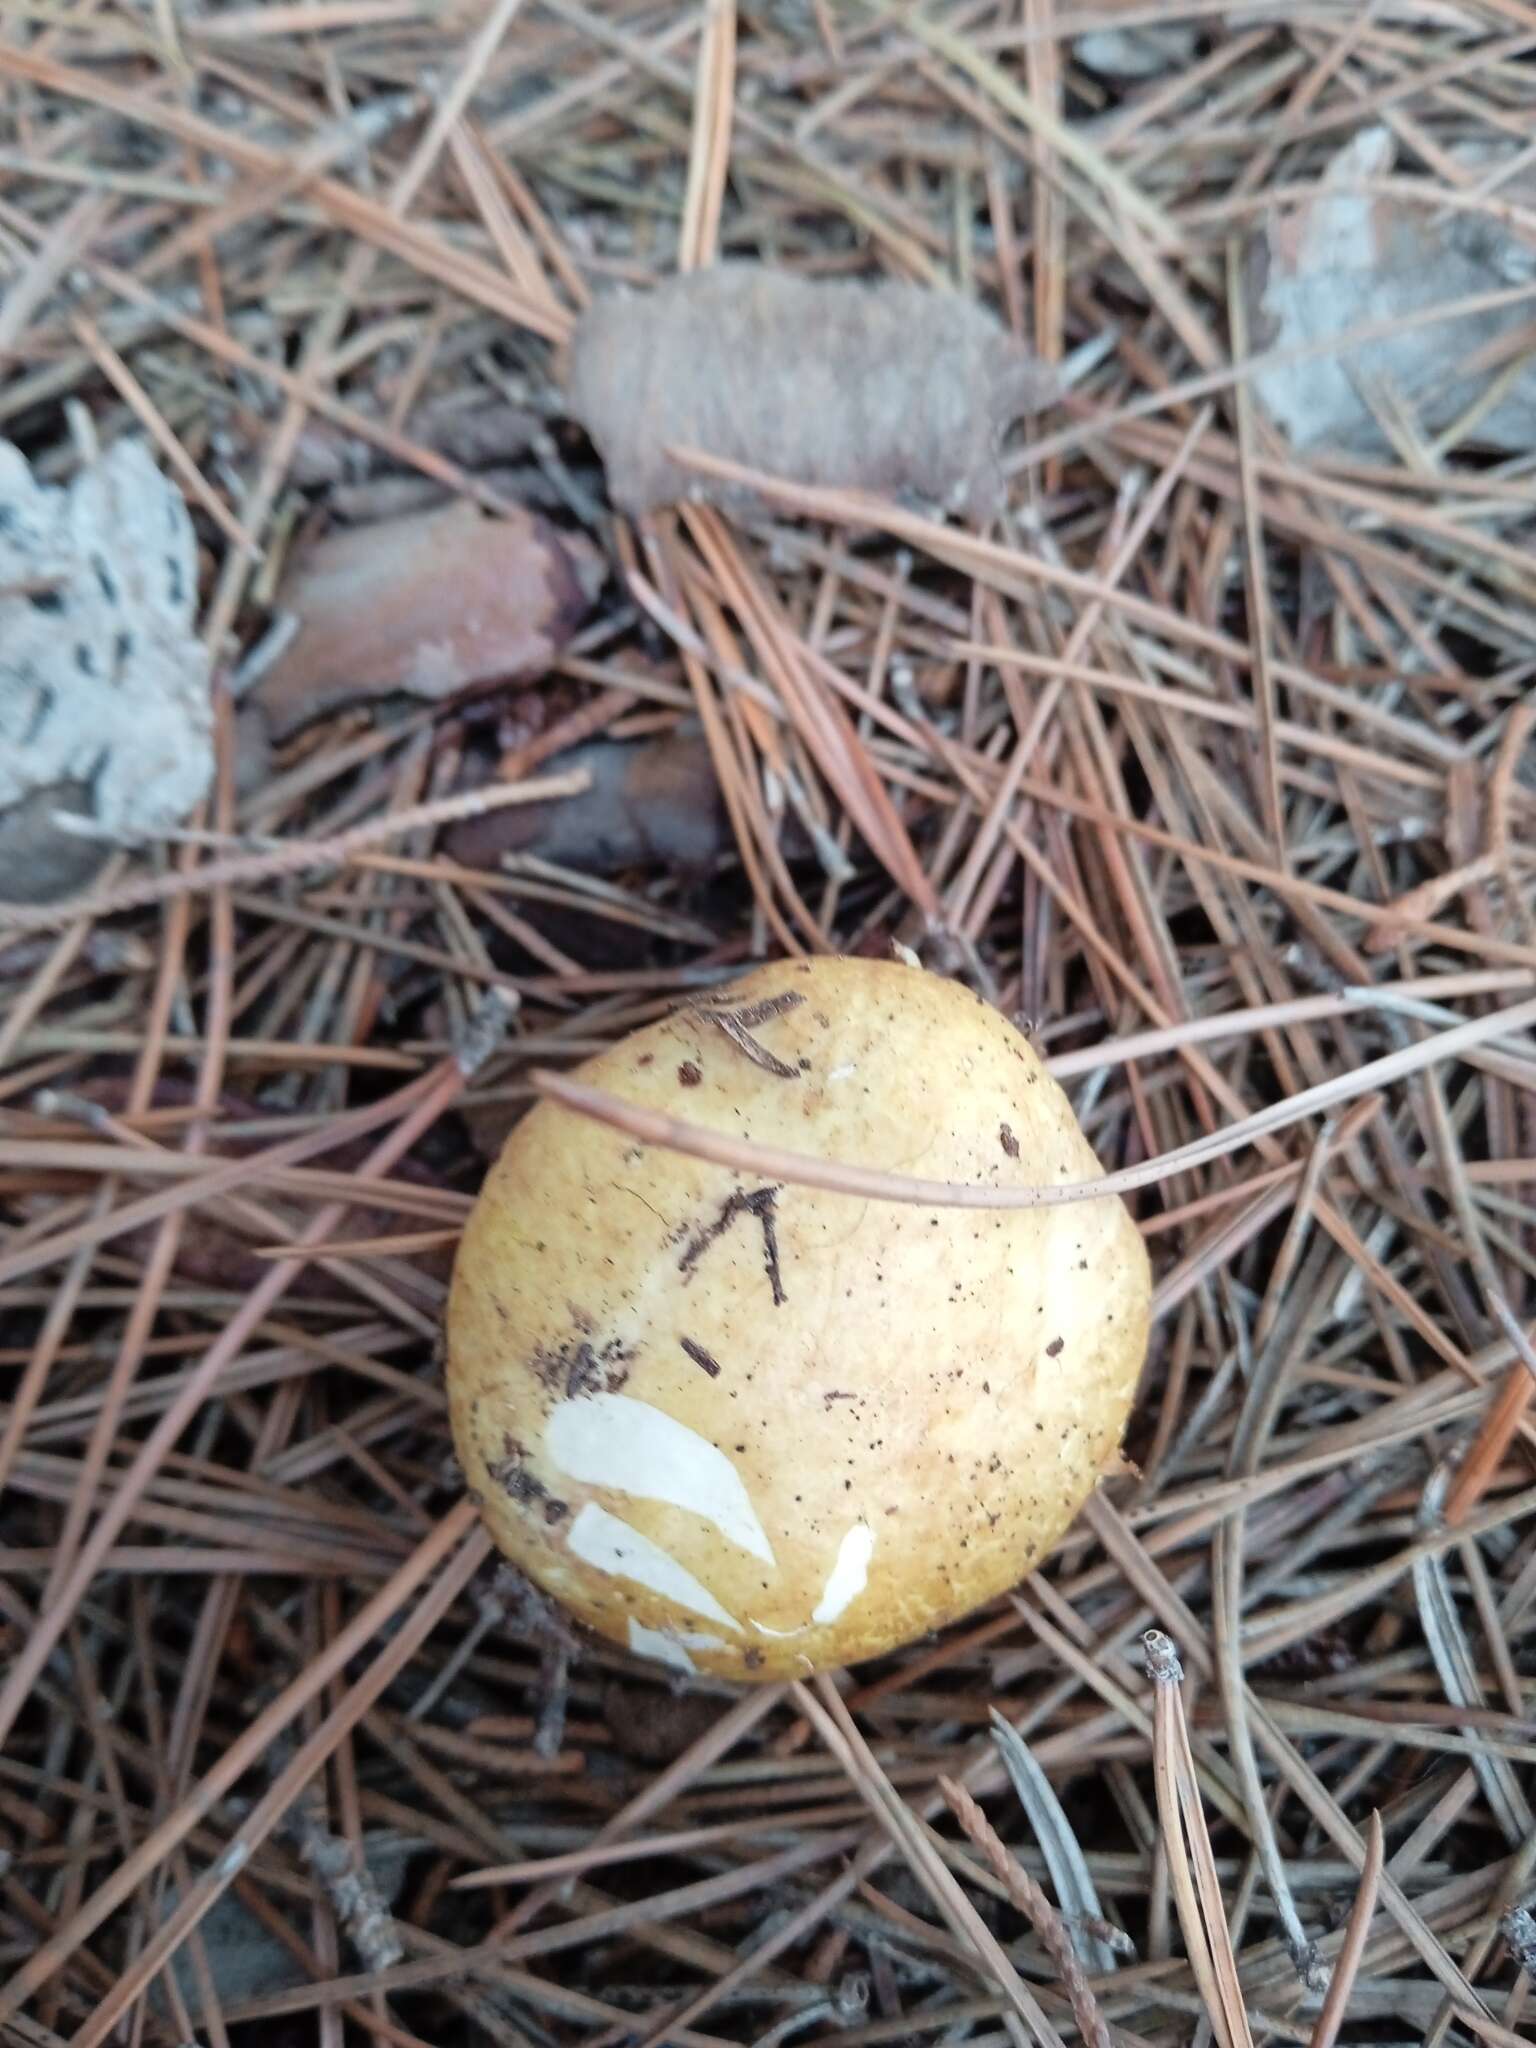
757 1430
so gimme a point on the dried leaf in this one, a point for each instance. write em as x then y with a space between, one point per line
877 386
104 704
1351 258
649 802
425 605
470 427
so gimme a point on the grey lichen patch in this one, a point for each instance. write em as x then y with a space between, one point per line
103 687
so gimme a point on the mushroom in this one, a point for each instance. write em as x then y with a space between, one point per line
758 1430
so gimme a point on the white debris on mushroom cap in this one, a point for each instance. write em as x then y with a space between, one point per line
103 688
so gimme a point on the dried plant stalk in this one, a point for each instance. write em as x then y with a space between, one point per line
1188 1847
1037 1909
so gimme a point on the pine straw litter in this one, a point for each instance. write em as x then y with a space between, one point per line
1211 758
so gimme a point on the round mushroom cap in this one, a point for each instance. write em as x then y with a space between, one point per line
757 1429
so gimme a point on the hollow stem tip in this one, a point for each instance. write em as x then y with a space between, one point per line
1163 1665
1520 1933
486 1028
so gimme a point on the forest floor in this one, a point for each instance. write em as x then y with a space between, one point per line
1206 753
